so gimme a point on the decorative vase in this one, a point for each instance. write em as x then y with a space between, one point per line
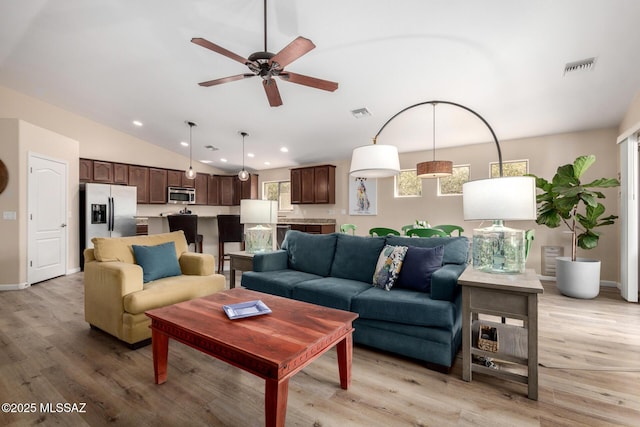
578 279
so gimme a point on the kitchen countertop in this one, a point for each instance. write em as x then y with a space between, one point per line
305 221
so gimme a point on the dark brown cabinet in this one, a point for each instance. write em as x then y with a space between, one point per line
314 184
201 183
314 228
157 185
174 178
213 190
139 178
85 170
227 190
120 173
102 171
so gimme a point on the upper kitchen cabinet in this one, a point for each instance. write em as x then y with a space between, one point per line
139 177
174 178
313 185
227 189
201 183
86 170
120 173
213 191
157 185
102 171
246 189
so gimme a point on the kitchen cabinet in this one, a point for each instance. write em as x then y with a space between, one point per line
201 183
102 172
139 178
186 182
85 170
313 185
314 228
227 190
174 178
249 188
120 173
157 185
213 191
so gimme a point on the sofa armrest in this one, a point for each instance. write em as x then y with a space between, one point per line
105 285
197 264
444 281
271 261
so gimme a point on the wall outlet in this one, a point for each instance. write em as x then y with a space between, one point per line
9 215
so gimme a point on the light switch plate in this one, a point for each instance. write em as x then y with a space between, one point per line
9 215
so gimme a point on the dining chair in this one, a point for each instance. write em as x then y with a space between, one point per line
449 229
189 225
407 227
426 232
528 240
345 228
383 231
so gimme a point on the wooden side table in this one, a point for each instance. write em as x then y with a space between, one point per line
242 261
512 296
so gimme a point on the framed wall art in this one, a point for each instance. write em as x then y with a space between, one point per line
363 197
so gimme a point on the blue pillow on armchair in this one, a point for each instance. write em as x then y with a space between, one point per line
157 261
418 266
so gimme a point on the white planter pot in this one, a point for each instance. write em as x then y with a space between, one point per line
578 279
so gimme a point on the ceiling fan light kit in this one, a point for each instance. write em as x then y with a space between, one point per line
267 65
243 175
190 173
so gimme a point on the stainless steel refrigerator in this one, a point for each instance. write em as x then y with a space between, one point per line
106 211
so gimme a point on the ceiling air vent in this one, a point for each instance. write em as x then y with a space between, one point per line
360 113
211 147
579 66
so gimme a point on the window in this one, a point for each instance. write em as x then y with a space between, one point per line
452 185
279 191
510 168
408 184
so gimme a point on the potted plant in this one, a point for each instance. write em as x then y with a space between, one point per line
567 200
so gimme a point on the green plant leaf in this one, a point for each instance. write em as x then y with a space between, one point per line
581 164
588 240
603 183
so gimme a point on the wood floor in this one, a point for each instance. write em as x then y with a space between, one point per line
589 375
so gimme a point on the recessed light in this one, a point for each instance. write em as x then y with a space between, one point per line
267 163
137 123
223 160
206 161
184 143
250 155
284 149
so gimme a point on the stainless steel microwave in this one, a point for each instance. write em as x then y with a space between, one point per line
181 195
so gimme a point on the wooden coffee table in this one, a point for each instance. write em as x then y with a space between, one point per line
272 346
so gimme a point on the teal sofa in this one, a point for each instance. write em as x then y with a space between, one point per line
336 270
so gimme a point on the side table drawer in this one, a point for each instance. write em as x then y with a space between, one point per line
498 303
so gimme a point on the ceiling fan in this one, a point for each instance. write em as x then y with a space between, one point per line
268 65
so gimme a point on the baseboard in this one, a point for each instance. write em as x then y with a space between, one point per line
72 271
14 287
603 283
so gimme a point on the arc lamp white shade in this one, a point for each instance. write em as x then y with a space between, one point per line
258 211
375 161
506 198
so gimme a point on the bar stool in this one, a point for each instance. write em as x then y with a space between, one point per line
189 224
229 230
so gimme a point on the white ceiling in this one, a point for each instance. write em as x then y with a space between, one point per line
116 61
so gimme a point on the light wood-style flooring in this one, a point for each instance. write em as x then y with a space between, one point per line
589 375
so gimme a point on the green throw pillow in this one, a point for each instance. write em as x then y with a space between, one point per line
157 261
388 266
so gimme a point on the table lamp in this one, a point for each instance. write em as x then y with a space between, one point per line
257 216
499 249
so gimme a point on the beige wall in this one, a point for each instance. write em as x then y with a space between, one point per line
545 154
11 249
631 121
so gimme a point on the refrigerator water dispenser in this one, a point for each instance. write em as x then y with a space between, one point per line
98 213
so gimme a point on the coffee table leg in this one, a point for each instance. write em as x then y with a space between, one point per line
345 354
275 402
160 347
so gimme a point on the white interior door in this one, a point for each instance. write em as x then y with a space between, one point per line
629 218
47 225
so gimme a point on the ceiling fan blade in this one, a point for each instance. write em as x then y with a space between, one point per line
309 81
218 49
273 94
292 51
226 80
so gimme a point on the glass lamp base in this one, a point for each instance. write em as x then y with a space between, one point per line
258 239
498 249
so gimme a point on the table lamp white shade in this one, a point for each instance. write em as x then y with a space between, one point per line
506 198
258 211
375 161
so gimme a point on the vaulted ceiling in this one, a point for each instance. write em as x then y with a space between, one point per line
115 61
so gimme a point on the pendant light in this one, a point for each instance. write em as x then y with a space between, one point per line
190 173
243 175
434 168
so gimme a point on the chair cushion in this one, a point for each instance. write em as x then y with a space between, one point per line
157 261
356 257
275 282
311 253
329 292
418 266
388 266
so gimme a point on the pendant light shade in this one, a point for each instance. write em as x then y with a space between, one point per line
375 161
243 175
434 168
190 173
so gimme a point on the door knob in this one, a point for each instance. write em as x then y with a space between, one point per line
63 225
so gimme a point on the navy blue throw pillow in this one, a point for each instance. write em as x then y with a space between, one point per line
157 261
418 266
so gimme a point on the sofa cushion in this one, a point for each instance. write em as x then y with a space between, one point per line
418 266
275 282
119 248
157 261
456 249
172 290
329 291
356 257
311 253
404 306
388 266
